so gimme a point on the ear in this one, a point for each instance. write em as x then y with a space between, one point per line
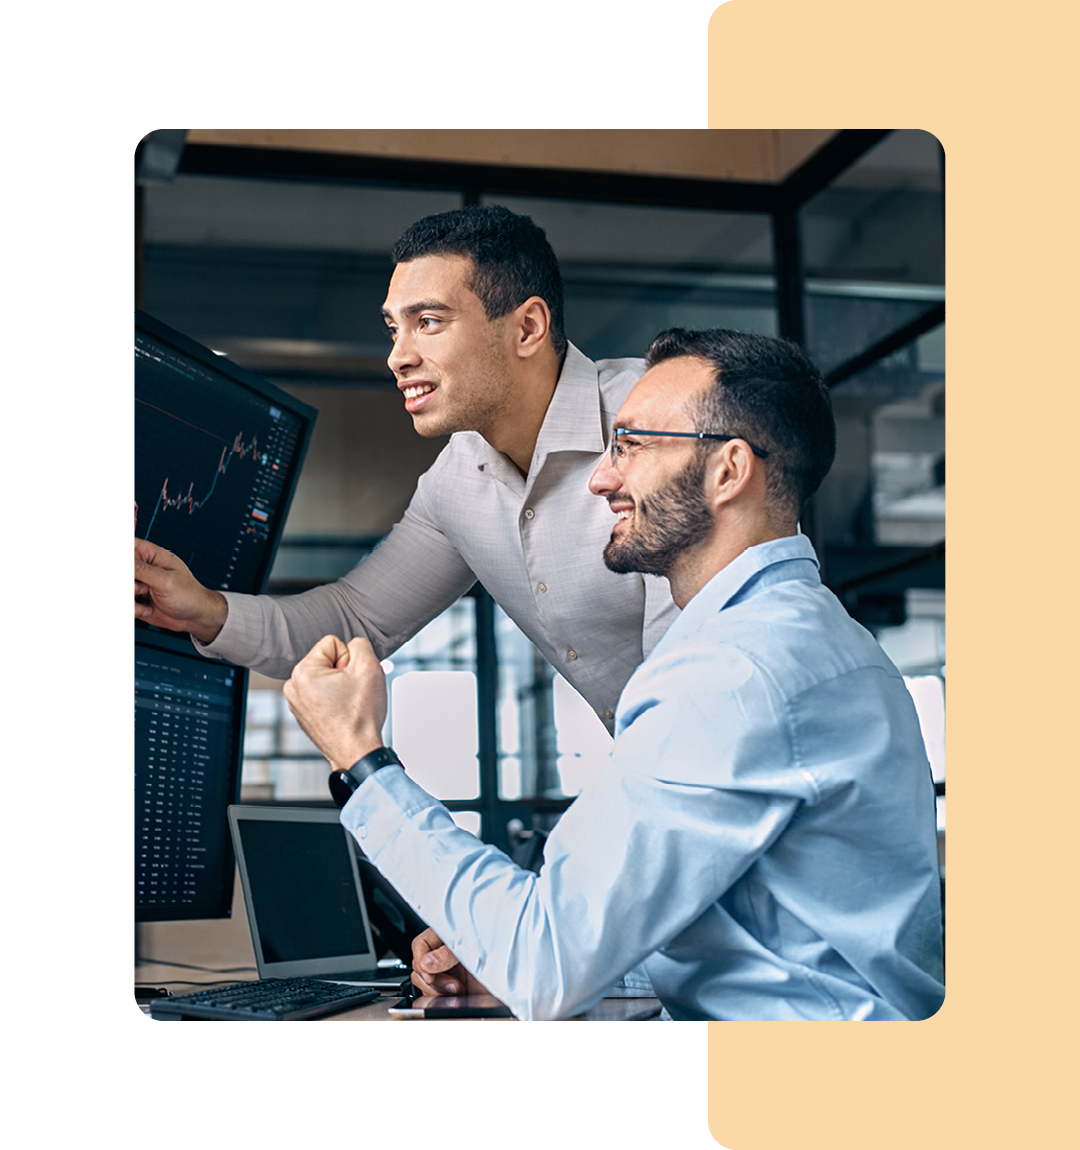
733 472
532 325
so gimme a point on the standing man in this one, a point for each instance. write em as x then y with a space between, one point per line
763 836
475 313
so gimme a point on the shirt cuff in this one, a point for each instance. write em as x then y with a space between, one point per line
379 805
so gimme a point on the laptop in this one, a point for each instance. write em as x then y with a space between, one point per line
304 897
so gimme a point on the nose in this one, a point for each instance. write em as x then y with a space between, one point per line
403 354
605 479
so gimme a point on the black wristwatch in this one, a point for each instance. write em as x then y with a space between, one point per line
343 783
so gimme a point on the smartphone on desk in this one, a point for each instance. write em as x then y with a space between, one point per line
452 1006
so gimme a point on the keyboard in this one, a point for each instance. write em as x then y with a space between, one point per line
268 999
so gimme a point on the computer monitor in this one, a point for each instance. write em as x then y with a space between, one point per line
189 728
217 455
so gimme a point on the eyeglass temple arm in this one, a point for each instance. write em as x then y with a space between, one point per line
616 432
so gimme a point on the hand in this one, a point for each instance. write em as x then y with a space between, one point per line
436 971
338 695
168 595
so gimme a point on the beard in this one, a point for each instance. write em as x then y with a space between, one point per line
665 526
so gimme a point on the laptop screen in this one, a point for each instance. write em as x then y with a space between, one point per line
302 892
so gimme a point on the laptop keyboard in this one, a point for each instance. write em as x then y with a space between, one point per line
268 999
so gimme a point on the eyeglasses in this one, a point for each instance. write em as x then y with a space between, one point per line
617 451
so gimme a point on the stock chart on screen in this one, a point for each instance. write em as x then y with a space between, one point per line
217 453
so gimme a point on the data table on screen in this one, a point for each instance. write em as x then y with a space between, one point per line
187 729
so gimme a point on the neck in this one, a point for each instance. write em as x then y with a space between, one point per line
694 568
516 436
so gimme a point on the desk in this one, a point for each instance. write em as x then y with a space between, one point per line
222 947
606 1010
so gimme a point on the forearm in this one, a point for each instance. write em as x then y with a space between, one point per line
412 577
489 912
271 635
547 945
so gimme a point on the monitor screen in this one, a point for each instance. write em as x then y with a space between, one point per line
304 890
189 722
217 455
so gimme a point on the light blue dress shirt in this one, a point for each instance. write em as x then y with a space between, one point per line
762 838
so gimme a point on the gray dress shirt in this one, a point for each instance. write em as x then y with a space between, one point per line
535 543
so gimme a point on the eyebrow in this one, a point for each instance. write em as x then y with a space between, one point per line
421 305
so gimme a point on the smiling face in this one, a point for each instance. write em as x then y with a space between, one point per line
656 485
452 364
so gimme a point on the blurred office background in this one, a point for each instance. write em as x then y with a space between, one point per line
272 247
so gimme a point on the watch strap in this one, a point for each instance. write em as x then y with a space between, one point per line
344 783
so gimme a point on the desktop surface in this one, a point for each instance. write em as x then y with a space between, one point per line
185 956
168 976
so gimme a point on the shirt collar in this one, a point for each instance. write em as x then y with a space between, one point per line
762 564
573 421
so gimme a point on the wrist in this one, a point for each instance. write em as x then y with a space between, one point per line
354 752
208 626
343 783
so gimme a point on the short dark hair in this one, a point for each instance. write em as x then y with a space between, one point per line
767 392
510 254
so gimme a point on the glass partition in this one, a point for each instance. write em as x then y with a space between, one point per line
873 250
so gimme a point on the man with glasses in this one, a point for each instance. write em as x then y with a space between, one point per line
763 837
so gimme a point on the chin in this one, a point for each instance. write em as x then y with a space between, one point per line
616 559
428 427
627 559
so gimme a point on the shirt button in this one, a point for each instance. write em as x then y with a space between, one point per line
609 714
529 513
571 654
541 587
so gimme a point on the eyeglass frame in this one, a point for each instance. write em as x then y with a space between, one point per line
617 431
